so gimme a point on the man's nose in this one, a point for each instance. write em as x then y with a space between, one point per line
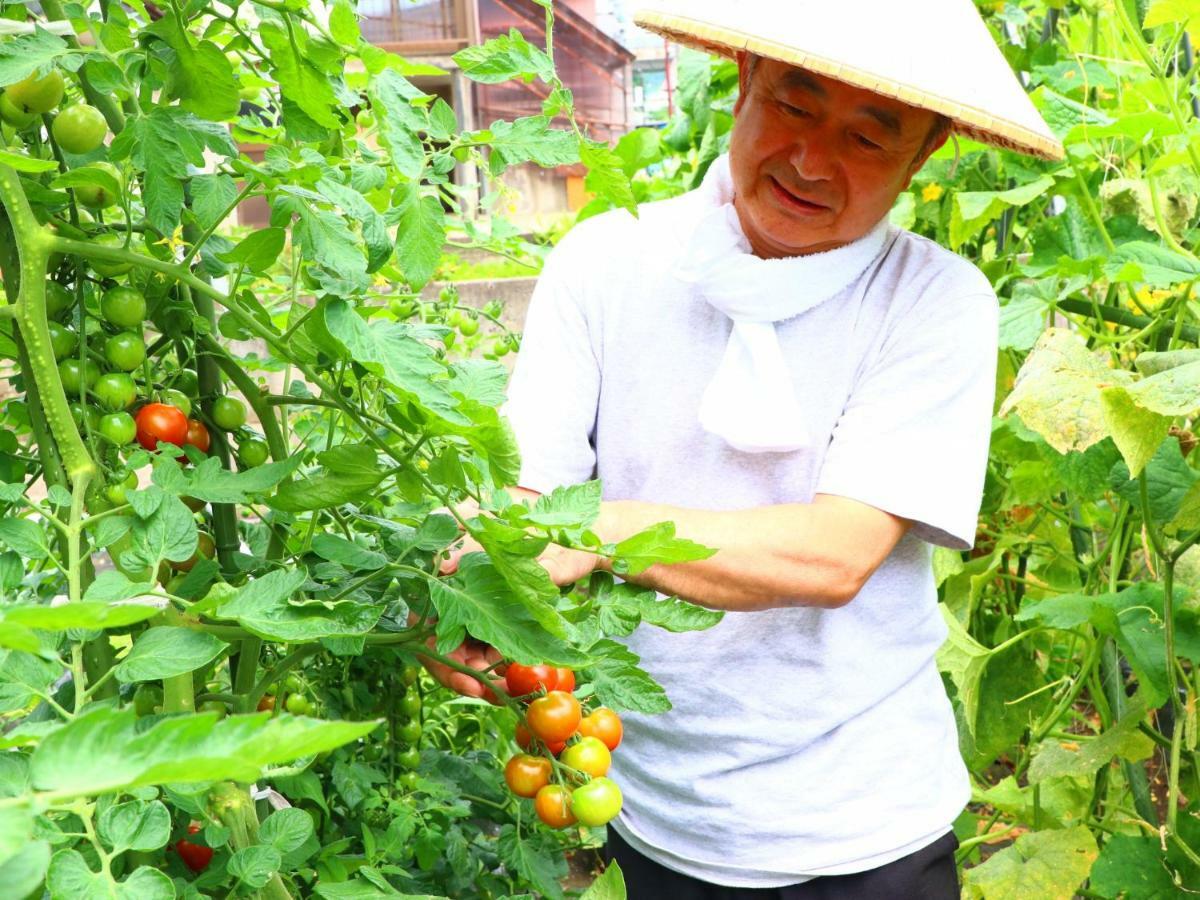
812 158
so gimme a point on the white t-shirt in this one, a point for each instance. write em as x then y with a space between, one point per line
803 741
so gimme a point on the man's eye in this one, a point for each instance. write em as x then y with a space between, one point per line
870 145
794 110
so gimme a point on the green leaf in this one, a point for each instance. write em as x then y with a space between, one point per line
420 236
530 139
1153 264
166 651
262 607
567 505
392 349
170 533
606 176
479 599
1175 13
24 678
103 751
609 886
1168 476
1137 868
23 872
1057 391
1137 432
23 163
343 24
1055 802
112 585
324 490
286 830
1047 865
336 548
209 482
135 825
255 866
25 537
620 684
69 877
972 211
537 863
391 99
203 79
1057 758
16 828
300 81
504 58
258 251
654 545
23 55
87 614
1022 321
964 659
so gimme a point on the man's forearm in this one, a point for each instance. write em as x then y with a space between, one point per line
797 554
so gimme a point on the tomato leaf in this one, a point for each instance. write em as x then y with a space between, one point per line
104 751
24 54
166 651
258 250
620 684
530 139
420 236
135 825
504 58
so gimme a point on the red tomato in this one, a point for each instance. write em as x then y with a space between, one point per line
522 680
603 724
195 856
566 679
554 717
525 738
526 775
197 435
553 806
159 422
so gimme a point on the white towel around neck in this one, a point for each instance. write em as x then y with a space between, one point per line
751 402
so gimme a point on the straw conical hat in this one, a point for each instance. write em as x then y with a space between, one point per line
935 54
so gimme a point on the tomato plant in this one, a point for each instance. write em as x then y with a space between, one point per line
257 616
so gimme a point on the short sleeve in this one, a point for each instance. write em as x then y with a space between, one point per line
913 437
553 392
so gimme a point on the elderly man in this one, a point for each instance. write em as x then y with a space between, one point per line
769 363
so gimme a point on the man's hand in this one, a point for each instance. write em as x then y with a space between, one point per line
473 654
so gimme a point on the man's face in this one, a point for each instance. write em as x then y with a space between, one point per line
816 162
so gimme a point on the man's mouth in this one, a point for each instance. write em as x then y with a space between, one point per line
795 201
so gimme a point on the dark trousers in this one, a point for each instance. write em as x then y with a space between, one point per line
928 874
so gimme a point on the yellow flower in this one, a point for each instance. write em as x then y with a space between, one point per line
1148 300
931 192
175 241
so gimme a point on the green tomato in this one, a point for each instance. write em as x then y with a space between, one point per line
409 673
118 428
115 391
408 758
14 115
468 326
410 704
187 382
293 684
228 413
123 306
596 802
85 413
208 705
109 268
229 326
63 341
125 351
500 347
95 195
253 452
115 494
408 781
147 699
401 308
37 95
178 399
79 128
58 298
409 732
76 376
299 705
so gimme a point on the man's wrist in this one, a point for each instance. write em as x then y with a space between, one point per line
610 528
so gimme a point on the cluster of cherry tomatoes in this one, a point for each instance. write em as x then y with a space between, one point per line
567 754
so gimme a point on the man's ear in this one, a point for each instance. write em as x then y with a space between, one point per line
743 64
920 161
